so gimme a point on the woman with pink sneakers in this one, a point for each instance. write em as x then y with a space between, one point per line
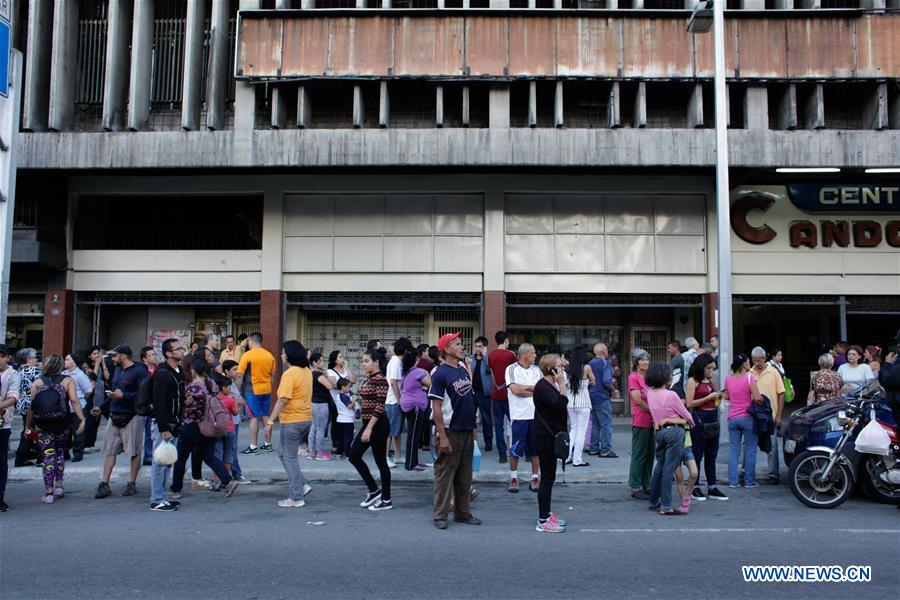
550 418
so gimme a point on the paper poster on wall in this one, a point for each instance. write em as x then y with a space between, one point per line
158 336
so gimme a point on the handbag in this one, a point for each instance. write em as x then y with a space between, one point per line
788 386
120 420
561 441
709 431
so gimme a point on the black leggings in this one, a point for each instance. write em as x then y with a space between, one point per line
378 443
548 477
194 442
416 420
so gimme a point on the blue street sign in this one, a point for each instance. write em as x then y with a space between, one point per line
864 198
4 58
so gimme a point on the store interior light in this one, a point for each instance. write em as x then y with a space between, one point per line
807 170
884 170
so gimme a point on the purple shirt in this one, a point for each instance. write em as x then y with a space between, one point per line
665 404
412 395
840 359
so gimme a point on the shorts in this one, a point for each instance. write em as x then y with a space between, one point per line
128 440
395 419
522 443
257 404
687 455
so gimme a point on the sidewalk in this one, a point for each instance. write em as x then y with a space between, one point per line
266 467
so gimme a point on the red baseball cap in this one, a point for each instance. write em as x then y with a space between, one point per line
446 339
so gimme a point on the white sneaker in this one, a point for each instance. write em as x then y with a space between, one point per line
391 463
47 499
201 484
306 489
288 503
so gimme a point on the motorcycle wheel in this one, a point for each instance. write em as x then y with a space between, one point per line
810 490
872 487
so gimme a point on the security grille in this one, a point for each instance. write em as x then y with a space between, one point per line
92 26
168 54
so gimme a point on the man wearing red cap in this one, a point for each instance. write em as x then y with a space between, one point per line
453 404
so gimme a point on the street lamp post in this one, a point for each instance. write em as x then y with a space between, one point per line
701 20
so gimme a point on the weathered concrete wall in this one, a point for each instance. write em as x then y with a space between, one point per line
455 147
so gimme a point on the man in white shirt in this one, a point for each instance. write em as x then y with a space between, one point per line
9 394
394 375
693 349
520 379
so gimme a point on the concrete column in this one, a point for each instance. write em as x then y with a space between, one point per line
59 316
192 79
465 106
282 4
787 108
640 105
614 107
784 4
756 108
279 108
873 4
217 80
695 107
532 3
558 116
493 317
814 108
63 69
612 4
808 3
557 4
439 106
499 4
498 111
532 103
271 326
362 4
115 80
36 100
141 65
875 112
384 105
359 112
304 108
637 4
307 4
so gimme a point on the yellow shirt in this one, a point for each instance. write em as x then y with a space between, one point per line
770 384
261 364
234 355
296 386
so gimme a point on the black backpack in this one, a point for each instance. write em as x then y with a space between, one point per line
50 405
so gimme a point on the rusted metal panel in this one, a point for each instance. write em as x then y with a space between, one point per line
588 47
532 46
428 45
703 51
762 48
878 46
305 47
486 45
656 48
261 47
371 47
820 47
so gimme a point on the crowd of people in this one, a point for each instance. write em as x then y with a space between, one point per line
195 400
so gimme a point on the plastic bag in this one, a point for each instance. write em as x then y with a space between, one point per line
165 454
873 439
476 458
788 390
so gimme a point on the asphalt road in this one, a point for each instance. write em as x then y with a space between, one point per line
247 547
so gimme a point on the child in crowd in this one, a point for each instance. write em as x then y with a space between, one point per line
230 368
343 431
226 446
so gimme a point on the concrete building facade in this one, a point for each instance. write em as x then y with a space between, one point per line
342 171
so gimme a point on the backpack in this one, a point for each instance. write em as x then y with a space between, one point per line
50 405
215 419
143 402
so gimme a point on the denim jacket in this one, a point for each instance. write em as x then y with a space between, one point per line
487 378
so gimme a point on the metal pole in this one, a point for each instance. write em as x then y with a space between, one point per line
842 311
723 197
9 129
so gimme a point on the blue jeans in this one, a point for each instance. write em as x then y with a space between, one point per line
601 425
669 450
741 429
484 406
148 441
500 409
235 465
773 456
317 430
159 474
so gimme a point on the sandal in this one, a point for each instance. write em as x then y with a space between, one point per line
584 464
671 513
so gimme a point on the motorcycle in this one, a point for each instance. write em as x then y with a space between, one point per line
824 477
